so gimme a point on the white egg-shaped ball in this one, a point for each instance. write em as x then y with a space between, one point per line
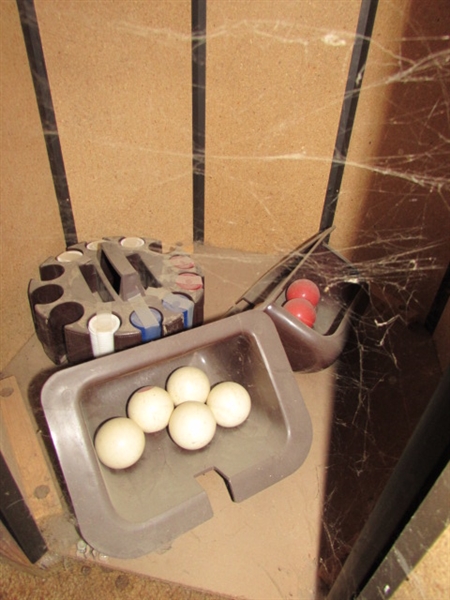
230 403
150 407
188 384
192 425
119 443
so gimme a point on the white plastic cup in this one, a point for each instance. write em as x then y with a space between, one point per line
70 256
102 328
132 242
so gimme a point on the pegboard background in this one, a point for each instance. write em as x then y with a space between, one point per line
120 76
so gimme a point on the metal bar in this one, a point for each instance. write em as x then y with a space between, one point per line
30 29
17 518
354 81
423 460
422 531
198 10
439 303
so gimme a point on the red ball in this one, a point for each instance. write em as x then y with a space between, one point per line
304 288
303 310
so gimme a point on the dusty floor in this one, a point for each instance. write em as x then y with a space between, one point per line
385 379
73 580
411 377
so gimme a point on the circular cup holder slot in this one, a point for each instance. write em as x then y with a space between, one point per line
52 271
62 315
46 294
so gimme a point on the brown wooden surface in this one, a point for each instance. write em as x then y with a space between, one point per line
24 454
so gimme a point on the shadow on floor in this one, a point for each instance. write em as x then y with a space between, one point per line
386 377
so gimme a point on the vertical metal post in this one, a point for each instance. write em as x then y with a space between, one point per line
16 516
439 303
423 460
354 81
198 8
41 83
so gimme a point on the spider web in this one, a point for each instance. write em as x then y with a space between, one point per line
392 223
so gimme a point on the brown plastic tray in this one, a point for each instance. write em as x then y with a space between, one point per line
344 298
135 511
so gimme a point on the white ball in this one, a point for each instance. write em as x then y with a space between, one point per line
192 425
150 407
188 384
119 443
230 403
